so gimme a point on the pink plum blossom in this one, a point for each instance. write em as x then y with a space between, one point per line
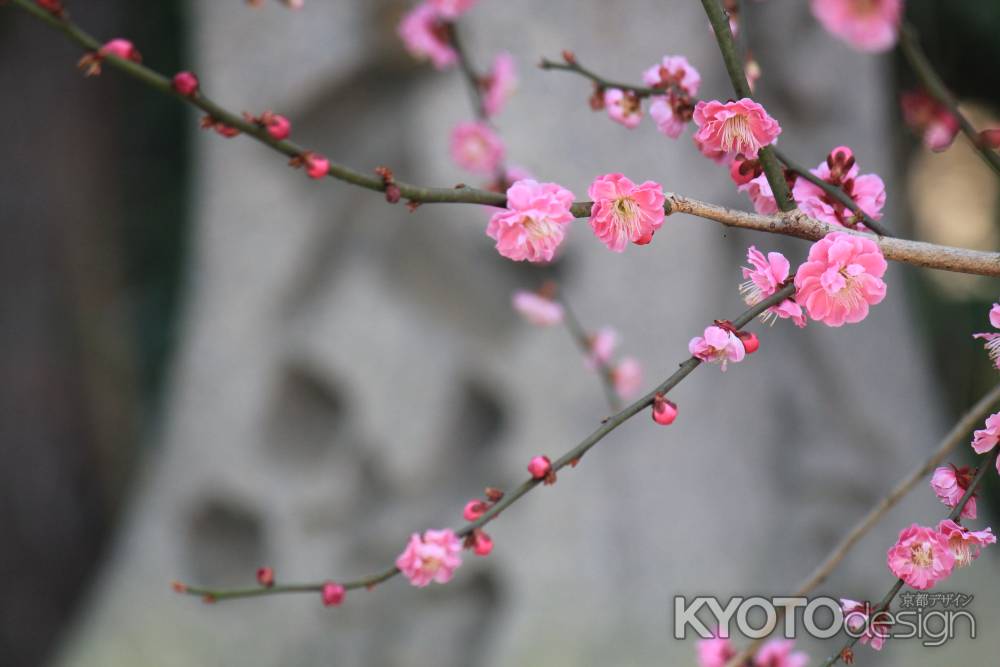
664 410
482 543
766 277
425 36
760 193
841 171
602 346
716 156
90 63
992 339
680 82
950 484
539 467
333 594
499 84
736 127
537 309
933 121
965 544
859 615
451 9
533 224
985 439
780 653
627 377
841 279
185 83
476 147
624 212
317 166
623 107
715 652
431 557
867 25
921 557
717 345
673 71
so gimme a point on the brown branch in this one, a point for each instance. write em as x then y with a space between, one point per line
584 343
798 225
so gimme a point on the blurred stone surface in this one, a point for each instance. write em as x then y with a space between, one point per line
352 372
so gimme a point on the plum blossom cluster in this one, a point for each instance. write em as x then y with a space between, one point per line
721 343
533 224
992 338
427 34
430 557
718 651
840 170
674 83
924 556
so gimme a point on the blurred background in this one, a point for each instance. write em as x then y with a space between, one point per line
209 363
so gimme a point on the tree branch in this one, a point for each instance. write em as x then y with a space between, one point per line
795 224
909 45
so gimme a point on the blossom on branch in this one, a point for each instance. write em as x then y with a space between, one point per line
185 83
623 107
965 544
950 484
769 274
858 615
90 63
841 171
624 212
537 308
841 279
736 127
933 121
985 439
780 653
425 35
992 338
432 557
921 557
534 223
715 652
867 25
680 82
476 147
499 84
717 345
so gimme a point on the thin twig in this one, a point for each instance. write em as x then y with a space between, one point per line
955 436
570 458
986 464
910 252
909 44
601 82
737 75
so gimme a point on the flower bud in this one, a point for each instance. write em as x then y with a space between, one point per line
664 410
540 467
333 594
